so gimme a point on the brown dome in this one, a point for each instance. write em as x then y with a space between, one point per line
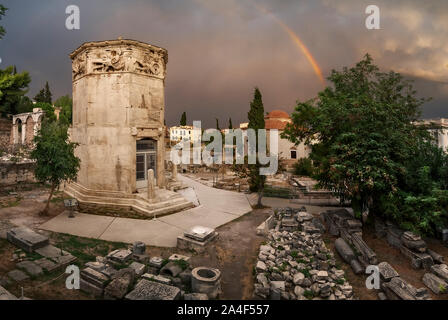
277 114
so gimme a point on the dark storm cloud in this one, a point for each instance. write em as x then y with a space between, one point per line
219 50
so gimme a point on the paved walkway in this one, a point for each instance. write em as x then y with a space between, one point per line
217 207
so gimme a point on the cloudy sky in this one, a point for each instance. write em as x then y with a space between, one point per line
219 50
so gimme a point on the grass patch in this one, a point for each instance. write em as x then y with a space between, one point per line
9 203
85 249
306 272
308 294
181 263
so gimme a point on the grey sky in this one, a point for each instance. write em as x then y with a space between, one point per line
220 50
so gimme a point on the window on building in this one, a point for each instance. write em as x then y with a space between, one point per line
293 154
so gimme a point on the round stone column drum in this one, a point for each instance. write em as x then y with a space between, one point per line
206 280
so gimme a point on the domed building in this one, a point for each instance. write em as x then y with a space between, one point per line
288 152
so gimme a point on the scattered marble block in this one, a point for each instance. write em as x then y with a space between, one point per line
440 270
50 252
109 271
139 268
94 277
139 248
6 295
64 260
119 256
436 284
387 272
30 267
150 290
17 275
199 233
156 262
47 265
95 265
156 278
189 243
289 222
176 256
413 242
119 286
26 239
90 288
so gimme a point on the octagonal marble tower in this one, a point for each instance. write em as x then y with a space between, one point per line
118 117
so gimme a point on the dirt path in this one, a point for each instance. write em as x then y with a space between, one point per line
235 253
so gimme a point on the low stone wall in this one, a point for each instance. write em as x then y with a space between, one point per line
5 132
14 173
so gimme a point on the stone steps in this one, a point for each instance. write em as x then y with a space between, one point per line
171 203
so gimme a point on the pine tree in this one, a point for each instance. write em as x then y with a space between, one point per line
230 123
48 95
217 124
256 122
183 119
44 95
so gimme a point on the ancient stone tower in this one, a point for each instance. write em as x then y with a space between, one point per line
118 118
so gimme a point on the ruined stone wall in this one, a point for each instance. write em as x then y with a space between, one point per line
13 173
5 132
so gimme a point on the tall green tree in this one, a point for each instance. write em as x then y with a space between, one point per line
13 87
55 158
44 95
2 13
66 105
230 123
183 119
256 122
363 136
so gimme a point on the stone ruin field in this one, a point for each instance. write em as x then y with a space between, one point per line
291 252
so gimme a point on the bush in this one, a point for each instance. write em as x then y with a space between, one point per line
304 167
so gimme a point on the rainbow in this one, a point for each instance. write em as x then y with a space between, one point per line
295 38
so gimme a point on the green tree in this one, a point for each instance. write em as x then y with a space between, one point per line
256 122
183 119
44 95
230 123
50 116
362 134
2 13
25 105
13 87
66 105
55 158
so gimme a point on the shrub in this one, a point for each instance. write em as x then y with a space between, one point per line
304 167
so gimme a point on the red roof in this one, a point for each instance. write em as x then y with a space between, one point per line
277 114
275 124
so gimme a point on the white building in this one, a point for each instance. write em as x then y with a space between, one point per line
287 151
181 133
278 119
439 129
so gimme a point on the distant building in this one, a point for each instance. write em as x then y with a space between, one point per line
288 153
181 133
278 119
439 129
